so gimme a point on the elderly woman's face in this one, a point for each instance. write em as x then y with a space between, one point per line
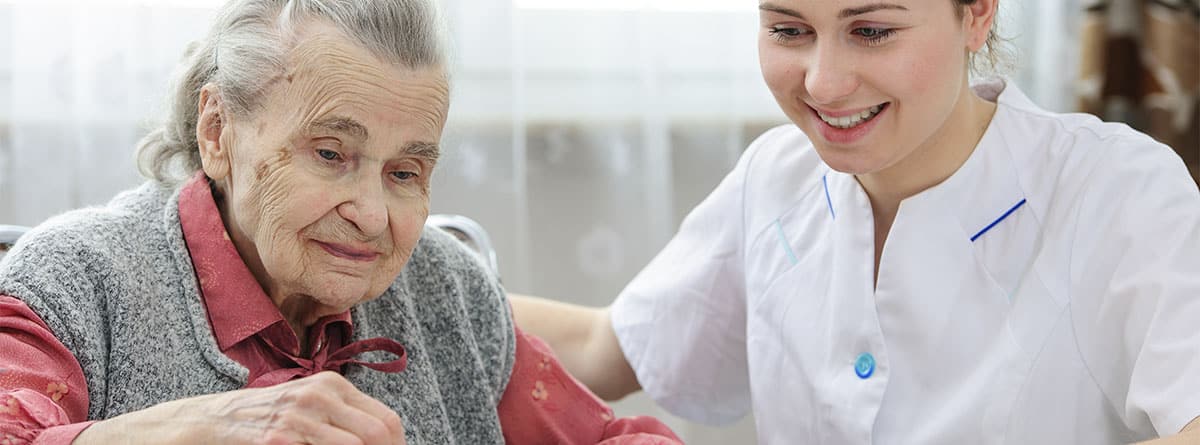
327 185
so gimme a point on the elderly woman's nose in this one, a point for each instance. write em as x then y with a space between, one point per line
830 76
366 209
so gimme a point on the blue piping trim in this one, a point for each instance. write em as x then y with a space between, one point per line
825 180
786 246
993 224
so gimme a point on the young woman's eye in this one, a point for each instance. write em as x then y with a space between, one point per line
328 155
874 36
784 33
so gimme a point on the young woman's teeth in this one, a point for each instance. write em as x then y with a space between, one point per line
852 120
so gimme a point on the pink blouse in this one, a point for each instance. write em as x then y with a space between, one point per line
44 397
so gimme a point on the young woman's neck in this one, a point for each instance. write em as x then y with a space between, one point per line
928 165
937 159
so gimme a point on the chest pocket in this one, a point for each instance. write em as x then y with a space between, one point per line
787 274
1022 268
787 347
1015 256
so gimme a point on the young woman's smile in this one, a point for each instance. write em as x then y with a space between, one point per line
848 126
873 84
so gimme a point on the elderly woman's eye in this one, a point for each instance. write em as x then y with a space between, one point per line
328 155
404 176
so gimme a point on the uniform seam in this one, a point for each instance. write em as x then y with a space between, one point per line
1070 298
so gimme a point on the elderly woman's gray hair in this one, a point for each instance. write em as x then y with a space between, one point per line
244 53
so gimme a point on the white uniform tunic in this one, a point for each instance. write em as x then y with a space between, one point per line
1047 292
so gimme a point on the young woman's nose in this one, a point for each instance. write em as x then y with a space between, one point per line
831 74
366 208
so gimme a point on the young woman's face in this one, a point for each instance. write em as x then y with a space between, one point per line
868 81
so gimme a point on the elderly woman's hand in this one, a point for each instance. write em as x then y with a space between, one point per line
321 409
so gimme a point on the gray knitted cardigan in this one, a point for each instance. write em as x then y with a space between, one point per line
116 286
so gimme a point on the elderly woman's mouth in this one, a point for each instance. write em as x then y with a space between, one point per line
349 252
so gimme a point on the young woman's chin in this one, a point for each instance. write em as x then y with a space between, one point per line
854 161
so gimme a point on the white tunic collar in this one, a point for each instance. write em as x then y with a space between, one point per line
981 193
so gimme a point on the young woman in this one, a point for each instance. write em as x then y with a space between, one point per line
915 260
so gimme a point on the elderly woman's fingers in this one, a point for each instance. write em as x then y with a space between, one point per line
354 411
388 419
318 410
369 429
383 420
323 409
308 433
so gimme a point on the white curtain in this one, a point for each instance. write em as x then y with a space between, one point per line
581 131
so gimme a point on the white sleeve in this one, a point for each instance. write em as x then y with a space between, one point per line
682 321
1135 286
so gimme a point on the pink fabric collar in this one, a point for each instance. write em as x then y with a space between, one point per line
238 308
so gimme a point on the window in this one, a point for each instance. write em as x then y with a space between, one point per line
628 5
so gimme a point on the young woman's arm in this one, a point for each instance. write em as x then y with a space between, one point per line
584 340
1190 435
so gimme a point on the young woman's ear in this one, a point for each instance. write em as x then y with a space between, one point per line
210 124
979 18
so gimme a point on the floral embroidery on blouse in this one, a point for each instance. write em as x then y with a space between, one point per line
539 391
56 390
10 407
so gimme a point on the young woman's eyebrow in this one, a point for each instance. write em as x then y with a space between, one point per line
851 12
845 14
771 7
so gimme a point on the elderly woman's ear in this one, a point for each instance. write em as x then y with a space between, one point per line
210 125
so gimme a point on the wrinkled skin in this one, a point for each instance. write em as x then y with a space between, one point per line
324 190
323 408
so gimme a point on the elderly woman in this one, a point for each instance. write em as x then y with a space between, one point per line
227 300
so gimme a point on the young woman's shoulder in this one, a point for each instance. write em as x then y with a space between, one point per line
1073 140
1079 154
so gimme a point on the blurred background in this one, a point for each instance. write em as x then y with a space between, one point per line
581 131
